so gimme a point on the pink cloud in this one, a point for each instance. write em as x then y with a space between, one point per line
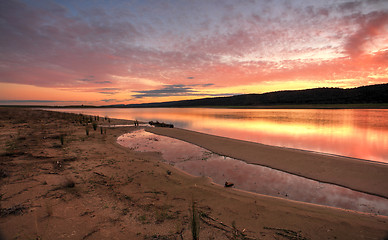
370 26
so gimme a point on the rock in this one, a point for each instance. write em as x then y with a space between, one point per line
158 124
229 184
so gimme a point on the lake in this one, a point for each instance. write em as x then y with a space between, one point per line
357 133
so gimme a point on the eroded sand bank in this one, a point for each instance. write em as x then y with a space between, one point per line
360 175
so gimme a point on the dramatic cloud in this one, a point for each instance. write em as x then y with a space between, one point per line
373 29
178 47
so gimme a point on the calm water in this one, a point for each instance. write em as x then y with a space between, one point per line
201 162
358 133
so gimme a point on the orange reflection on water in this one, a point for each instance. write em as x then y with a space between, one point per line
342 135
359 133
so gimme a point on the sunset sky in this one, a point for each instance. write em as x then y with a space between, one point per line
74 52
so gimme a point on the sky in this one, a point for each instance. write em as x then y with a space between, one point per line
102 52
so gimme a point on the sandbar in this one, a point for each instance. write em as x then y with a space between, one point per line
356 174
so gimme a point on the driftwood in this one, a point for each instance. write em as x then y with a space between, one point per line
233 232
289 234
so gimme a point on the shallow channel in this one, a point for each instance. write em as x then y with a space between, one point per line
250 177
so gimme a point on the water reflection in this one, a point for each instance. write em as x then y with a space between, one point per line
359 133
200 162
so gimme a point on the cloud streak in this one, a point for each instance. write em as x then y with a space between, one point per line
176 90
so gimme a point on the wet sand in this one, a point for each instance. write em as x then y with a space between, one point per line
90 187
198 161
365 176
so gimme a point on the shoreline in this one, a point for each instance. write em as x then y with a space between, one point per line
269 106
118 193
342 171
172 155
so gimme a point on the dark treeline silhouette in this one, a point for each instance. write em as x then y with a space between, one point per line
373 94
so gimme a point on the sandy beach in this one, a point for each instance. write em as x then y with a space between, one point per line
61 179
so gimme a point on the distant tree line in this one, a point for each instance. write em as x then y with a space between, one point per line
360 95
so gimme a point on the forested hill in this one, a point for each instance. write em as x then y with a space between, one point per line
360 95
